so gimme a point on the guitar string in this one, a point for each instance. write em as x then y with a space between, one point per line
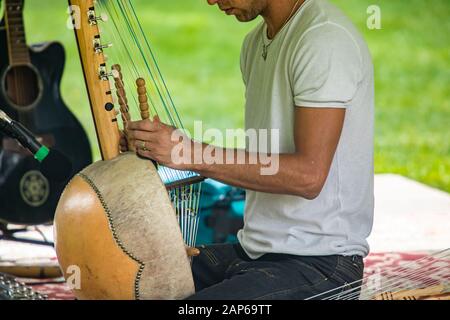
341 293
122 43
394 284
155 78
131 67
131 24
391 284
123 55
127 35
418 275
157 66
358 293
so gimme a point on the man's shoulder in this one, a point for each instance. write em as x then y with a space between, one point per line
323 27
323 22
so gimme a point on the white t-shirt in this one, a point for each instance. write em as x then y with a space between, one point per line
317 60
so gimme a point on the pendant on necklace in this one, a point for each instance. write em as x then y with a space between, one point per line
265 52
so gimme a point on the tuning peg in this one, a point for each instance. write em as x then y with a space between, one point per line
103 73
93 18
99 47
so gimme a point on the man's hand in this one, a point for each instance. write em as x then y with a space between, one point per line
123 142
154 140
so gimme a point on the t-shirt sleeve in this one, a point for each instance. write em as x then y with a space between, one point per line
326 68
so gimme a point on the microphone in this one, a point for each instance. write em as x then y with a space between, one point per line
54 165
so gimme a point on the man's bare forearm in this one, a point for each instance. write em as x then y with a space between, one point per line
294 174
302 173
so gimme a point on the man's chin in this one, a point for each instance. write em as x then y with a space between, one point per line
244 18
241 15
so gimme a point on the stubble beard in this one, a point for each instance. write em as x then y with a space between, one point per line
255 9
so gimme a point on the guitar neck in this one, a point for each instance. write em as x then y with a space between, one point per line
17 45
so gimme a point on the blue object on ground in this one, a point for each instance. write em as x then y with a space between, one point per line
221 213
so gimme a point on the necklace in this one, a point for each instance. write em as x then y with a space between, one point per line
266 46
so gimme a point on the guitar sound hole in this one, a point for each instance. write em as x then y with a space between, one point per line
22 86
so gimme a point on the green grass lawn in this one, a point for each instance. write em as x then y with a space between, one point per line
198 50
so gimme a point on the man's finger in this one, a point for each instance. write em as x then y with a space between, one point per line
141 135
145 145
143 125
192 252
146 154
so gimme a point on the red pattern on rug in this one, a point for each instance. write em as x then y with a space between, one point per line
395 271
374 263
54 291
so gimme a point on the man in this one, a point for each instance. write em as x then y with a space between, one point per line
308 73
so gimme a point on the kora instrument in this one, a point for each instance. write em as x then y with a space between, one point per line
125 227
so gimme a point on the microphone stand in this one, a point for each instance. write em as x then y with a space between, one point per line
9 235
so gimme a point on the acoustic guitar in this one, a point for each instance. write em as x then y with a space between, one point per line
30 80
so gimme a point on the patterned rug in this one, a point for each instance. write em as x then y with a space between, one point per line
399 272
380 266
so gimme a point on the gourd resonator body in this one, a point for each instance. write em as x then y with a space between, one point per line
116 225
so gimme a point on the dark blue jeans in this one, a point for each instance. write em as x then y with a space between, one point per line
225 272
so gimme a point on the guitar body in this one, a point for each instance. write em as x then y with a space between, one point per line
26 196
